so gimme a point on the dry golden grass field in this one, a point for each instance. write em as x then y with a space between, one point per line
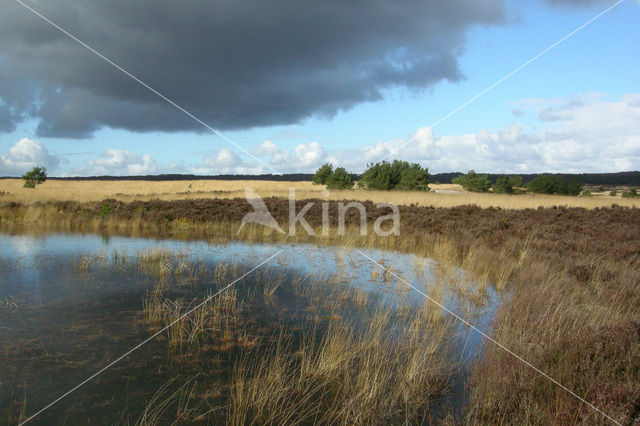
442 195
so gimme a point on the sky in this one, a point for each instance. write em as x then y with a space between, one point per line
283 87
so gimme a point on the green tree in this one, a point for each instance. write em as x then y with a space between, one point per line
34 177
339 179
473 182
542 184
320 178
517 181
632 193
548 184
400 175
413 177
377 176
504 185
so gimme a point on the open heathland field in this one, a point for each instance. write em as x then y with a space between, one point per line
570 278
442 195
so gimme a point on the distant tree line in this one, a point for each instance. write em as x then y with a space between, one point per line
596 179
508 184
290 177
405 176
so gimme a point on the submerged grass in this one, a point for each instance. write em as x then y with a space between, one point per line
325 362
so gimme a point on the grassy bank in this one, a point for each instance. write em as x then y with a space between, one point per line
444 195
574 288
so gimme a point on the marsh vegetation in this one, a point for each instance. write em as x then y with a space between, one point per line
337 341
571 276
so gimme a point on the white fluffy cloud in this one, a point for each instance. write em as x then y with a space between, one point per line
26 154
304 158
120 162
226 161
586 133
266 148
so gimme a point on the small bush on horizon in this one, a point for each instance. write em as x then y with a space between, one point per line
614 193
632 193
34 177
586 193
474 182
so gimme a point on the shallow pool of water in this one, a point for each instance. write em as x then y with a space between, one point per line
70 304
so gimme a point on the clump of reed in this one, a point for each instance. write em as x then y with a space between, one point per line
183 403
9 305
165 264
85 263
218 319
157 262
270 280
350 373
351 360
16 411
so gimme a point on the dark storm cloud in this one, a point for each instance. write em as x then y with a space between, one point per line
235 64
